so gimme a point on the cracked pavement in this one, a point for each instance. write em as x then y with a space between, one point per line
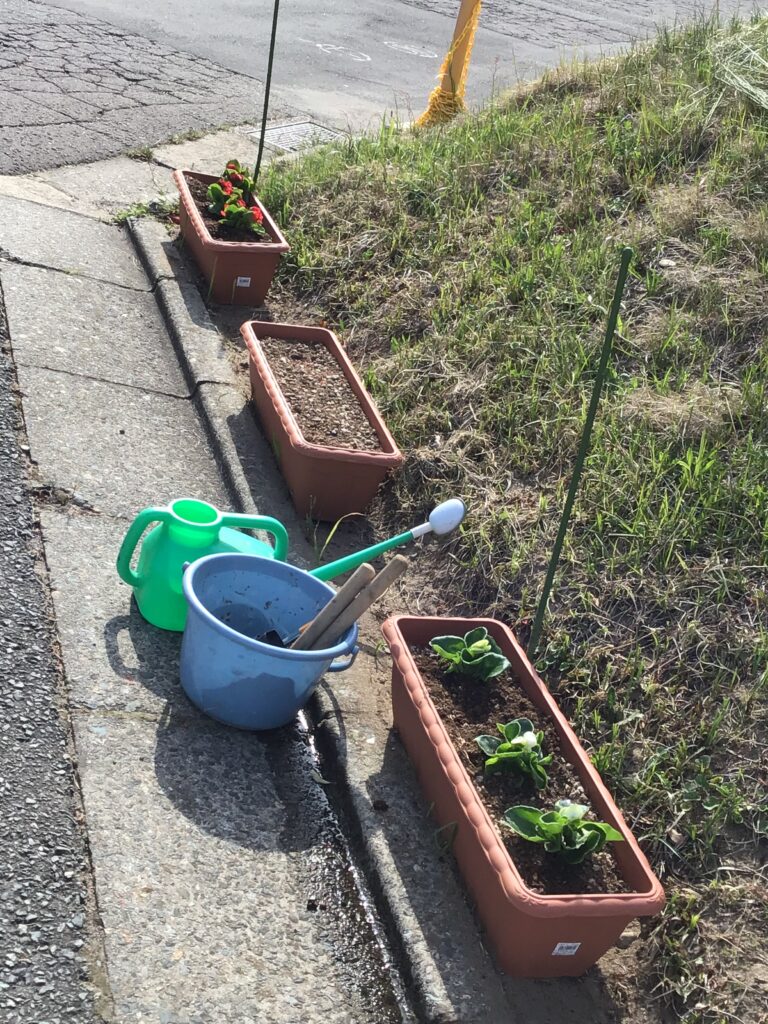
89 79
73 88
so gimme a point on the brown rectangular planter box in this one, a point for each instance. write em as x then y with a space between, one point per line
325 483
534 936
238 273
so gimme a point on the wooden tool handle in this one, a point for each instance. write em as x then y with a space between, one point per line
391 571
340 600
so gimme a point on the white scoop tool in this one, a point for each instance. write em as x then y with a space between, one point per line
443 519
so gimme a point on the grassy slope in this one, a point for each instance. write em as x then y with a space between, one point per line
468 269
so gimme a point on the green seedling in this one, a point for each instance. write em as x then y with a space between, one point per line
562 831
519 751
475 654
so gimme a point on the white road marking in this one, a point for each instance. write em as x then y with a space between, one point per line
357 55
417 51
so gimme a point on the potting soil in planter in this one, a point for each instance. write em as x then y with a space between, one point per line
470 708
199 192
319 395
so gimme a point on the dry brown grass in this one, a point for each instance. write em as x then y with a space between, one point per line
689 414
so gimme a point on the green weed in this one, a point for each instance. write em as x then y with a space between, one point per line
144 153
161 208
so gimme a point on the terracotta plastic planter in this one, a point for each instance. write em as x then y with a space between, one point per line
325 483
238 273
534 936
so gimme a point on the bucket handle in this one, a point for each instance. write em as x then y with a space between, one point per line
339 665
239 521
131 539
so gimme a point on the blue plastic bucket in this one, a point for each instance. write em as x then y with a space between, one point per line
225 671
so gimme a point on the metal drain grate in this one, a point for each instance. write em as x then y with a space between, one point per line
291 137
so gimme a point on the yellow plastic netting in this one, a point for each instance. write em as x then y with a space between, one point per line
445 103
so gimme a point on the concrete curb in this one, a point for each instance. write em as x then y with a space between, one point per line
460 962
199 348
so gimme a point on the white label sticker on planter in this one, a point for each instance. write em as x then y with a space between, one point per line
566 949
243 282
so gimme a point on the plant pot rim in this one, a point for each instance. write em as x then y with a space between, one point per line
645 902
277 245
389 456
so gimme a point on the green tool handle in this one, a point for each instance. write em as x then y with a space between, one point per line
342 565
239 521
131 539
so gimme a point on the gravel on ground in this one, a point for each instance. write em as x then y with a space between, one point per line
47 959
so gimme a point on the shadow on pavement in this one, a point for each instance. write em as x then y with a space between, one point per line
139 652
261 471
219 780
253 789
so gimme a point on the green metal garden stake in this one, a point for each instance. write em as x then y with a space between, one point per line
267 85
626 256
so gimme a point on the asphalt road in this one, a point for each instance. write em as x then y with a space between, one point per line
44 960
84 79
351 59
74 89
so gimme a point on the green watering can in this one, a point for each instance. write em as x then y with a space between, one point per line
187 529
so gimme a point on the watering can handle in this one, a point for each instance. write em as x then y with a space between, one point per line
131 539
243 522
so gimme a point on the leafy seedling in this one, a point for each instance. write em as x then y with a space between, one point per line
518 751
562 831
475 654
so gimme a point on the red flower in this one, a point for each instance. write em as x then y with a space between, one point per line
241 203
236 178
226 187
232 165
257 214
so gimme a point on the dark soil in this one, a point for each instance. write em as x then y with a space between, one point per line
470 708
199 192
325 406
